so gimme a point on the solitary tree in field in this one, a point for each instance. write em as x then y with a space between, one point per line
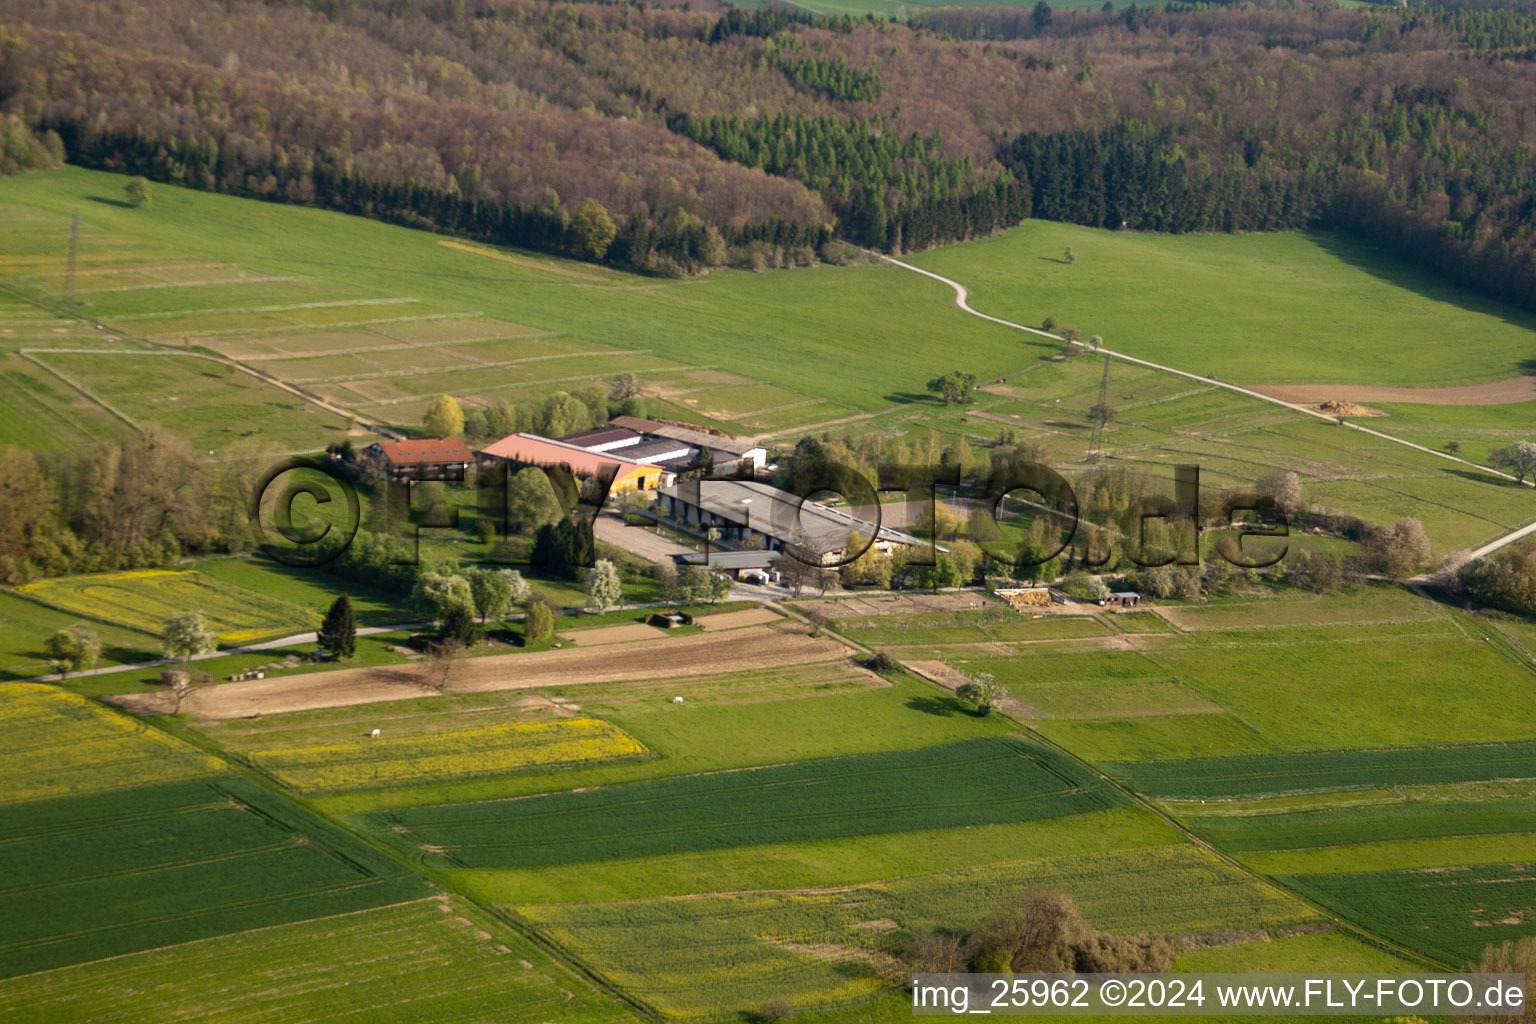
1454 447
594 229
338 633
75 649
444 657
1048 324
1071 259
188 635
137 192
604 588
981 690
1095 341
954 386
1518 458
623 387
444 418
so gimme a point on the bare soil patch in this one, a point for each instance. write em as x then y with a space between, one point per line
631 633
699 654
1499 392
901 604
731 620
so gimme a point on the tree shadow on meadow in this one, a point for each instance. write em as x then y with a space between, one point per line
942 707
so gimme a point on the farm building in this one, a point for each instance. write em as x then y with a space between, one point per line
735 564
1122 599
729 454
427 458
604 439
532 450
754 515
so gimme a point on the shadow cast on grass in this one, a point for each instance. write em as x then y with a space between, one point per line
941 707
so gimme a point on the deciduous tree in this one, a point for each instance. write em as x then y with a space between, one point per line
444 417
188 635
604 588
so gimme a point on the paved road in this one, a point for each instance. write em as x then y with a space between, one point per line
962 300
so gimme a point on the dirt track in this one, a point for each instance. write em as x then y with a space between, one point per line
1499 392
757 647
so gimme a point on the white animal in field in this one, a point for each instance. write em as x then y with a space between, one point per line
677 700
374 735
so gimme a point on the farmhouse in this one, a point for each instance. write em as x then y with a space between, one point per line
532 450
428 458
729 453
749 514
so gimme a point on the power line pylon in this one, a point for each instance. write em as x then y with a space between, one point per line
69 268
1100 416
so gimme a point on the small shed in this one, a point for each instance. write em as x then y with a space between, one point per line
1123 599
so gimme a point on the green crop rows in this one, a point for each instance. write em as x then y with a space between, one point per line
970 783
1447 913
1327 769
115 873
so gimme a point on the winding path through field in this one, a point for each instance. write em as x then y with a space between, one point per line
962 300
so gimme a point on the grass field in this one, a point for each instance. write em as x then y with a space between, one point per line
1277 687
1447 913
974 783
737 720
1225 778
852 860
755 352
120 872
374 965
728 953
145 599
25 625
1309 308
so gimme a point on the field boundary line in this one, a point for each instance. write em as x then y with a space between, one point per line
961 301
289 307
1150 805
28 355
466 367
560 957
227 935
155 346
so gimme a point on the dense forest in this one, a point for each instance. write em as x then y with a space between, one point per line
720 135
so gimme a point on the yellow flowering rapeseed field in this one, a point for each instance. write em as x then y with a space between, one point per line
147 598
410 758
54 743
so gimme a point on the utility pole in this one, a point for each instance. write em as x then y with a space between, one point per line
1100 414
69 270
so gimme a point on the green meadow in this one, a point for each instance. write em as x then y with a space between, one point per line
377 319
1289 308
